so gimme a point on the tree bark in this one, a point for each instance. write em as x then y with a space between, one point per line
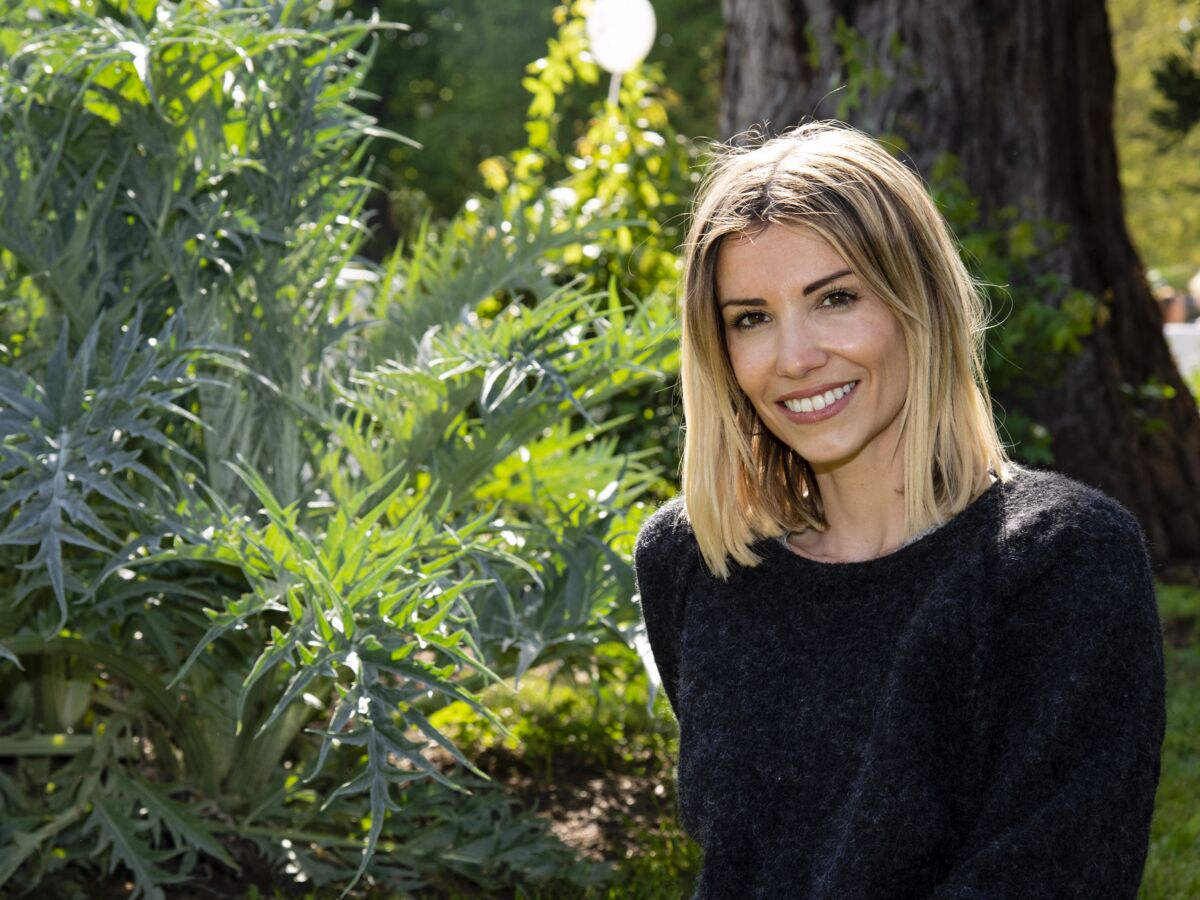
1022 92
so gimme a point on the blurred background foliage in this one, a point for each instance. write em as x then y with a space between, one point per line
452 90
451 83
1156 45
336 375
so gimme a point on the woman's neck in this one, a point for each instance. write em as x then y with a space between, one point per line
864 509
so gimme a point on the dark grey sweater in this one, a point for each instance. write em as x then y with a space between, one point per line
978 714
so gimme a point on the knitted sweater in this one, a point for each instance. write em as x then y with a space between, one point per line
978 714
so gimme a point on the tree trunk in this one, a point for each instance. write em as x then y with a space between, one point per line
1022 92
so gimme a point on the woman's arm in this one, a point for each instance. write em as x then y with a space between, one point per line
1073 716
659 556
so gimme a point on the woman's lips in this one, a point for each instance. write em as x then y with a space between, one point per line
818 415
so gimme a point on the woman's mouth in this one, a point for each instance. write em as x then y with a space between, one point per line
816 407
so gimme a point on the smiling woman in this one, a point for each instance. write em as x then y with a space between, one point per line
809 342
813 260
902 665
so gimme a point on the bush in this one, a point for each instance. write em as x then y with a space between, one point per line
268 507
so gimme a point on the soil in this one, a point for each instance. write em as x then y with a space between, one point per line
598 813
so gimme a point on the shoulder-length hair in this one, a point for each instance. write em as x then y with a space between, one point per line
742 484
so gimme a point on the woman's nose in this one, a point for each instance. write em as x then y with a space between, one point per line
798 351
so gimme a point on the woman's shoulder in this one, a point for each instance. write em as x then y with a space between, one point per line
667 530
1050 506
1074 571
1051 519
663 559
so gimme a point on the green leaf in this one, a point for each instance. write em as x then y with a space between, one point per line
5 653
22 845
56 379
117 834
413 715
177 720
223 623
185 828
377 781
322 666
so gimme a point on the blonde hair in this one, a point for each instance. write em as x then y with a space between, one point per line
740 482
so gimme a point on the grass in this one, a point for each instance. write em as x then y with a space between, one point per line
1173 865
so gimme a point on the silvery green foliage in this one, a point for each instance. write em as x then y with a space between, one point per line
79 436
474 539
481 418
202 157
265 591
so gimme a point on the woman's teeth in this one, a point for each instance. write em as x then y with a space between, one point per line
820 401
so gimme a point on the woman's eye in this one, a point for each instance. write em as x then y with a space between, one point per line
747 320
838 297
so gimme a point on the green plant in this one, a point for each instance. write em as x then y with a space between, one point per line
248 569
450 81
1177 79
565 733
627 163
625 175
501 416
82 435
1171 866
186 157
1157 58
1037 320
609 727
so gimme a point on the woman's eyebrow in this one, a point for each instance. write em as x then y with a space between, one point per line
816 285
821 282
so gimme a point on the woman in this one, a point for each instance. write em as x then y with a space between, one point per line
902 665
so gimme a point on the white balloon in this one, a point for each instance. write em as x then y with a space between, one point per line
620 33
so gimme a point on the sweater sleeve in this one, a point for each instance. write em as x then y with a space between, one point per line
657 559
1072 715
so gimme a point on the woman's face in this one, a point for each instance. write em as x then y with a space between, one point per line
820 356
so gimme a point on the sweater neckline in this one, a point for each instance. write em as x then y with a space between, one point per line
905 554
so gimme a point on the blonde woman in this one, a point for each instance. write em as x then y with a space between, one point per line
902 665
